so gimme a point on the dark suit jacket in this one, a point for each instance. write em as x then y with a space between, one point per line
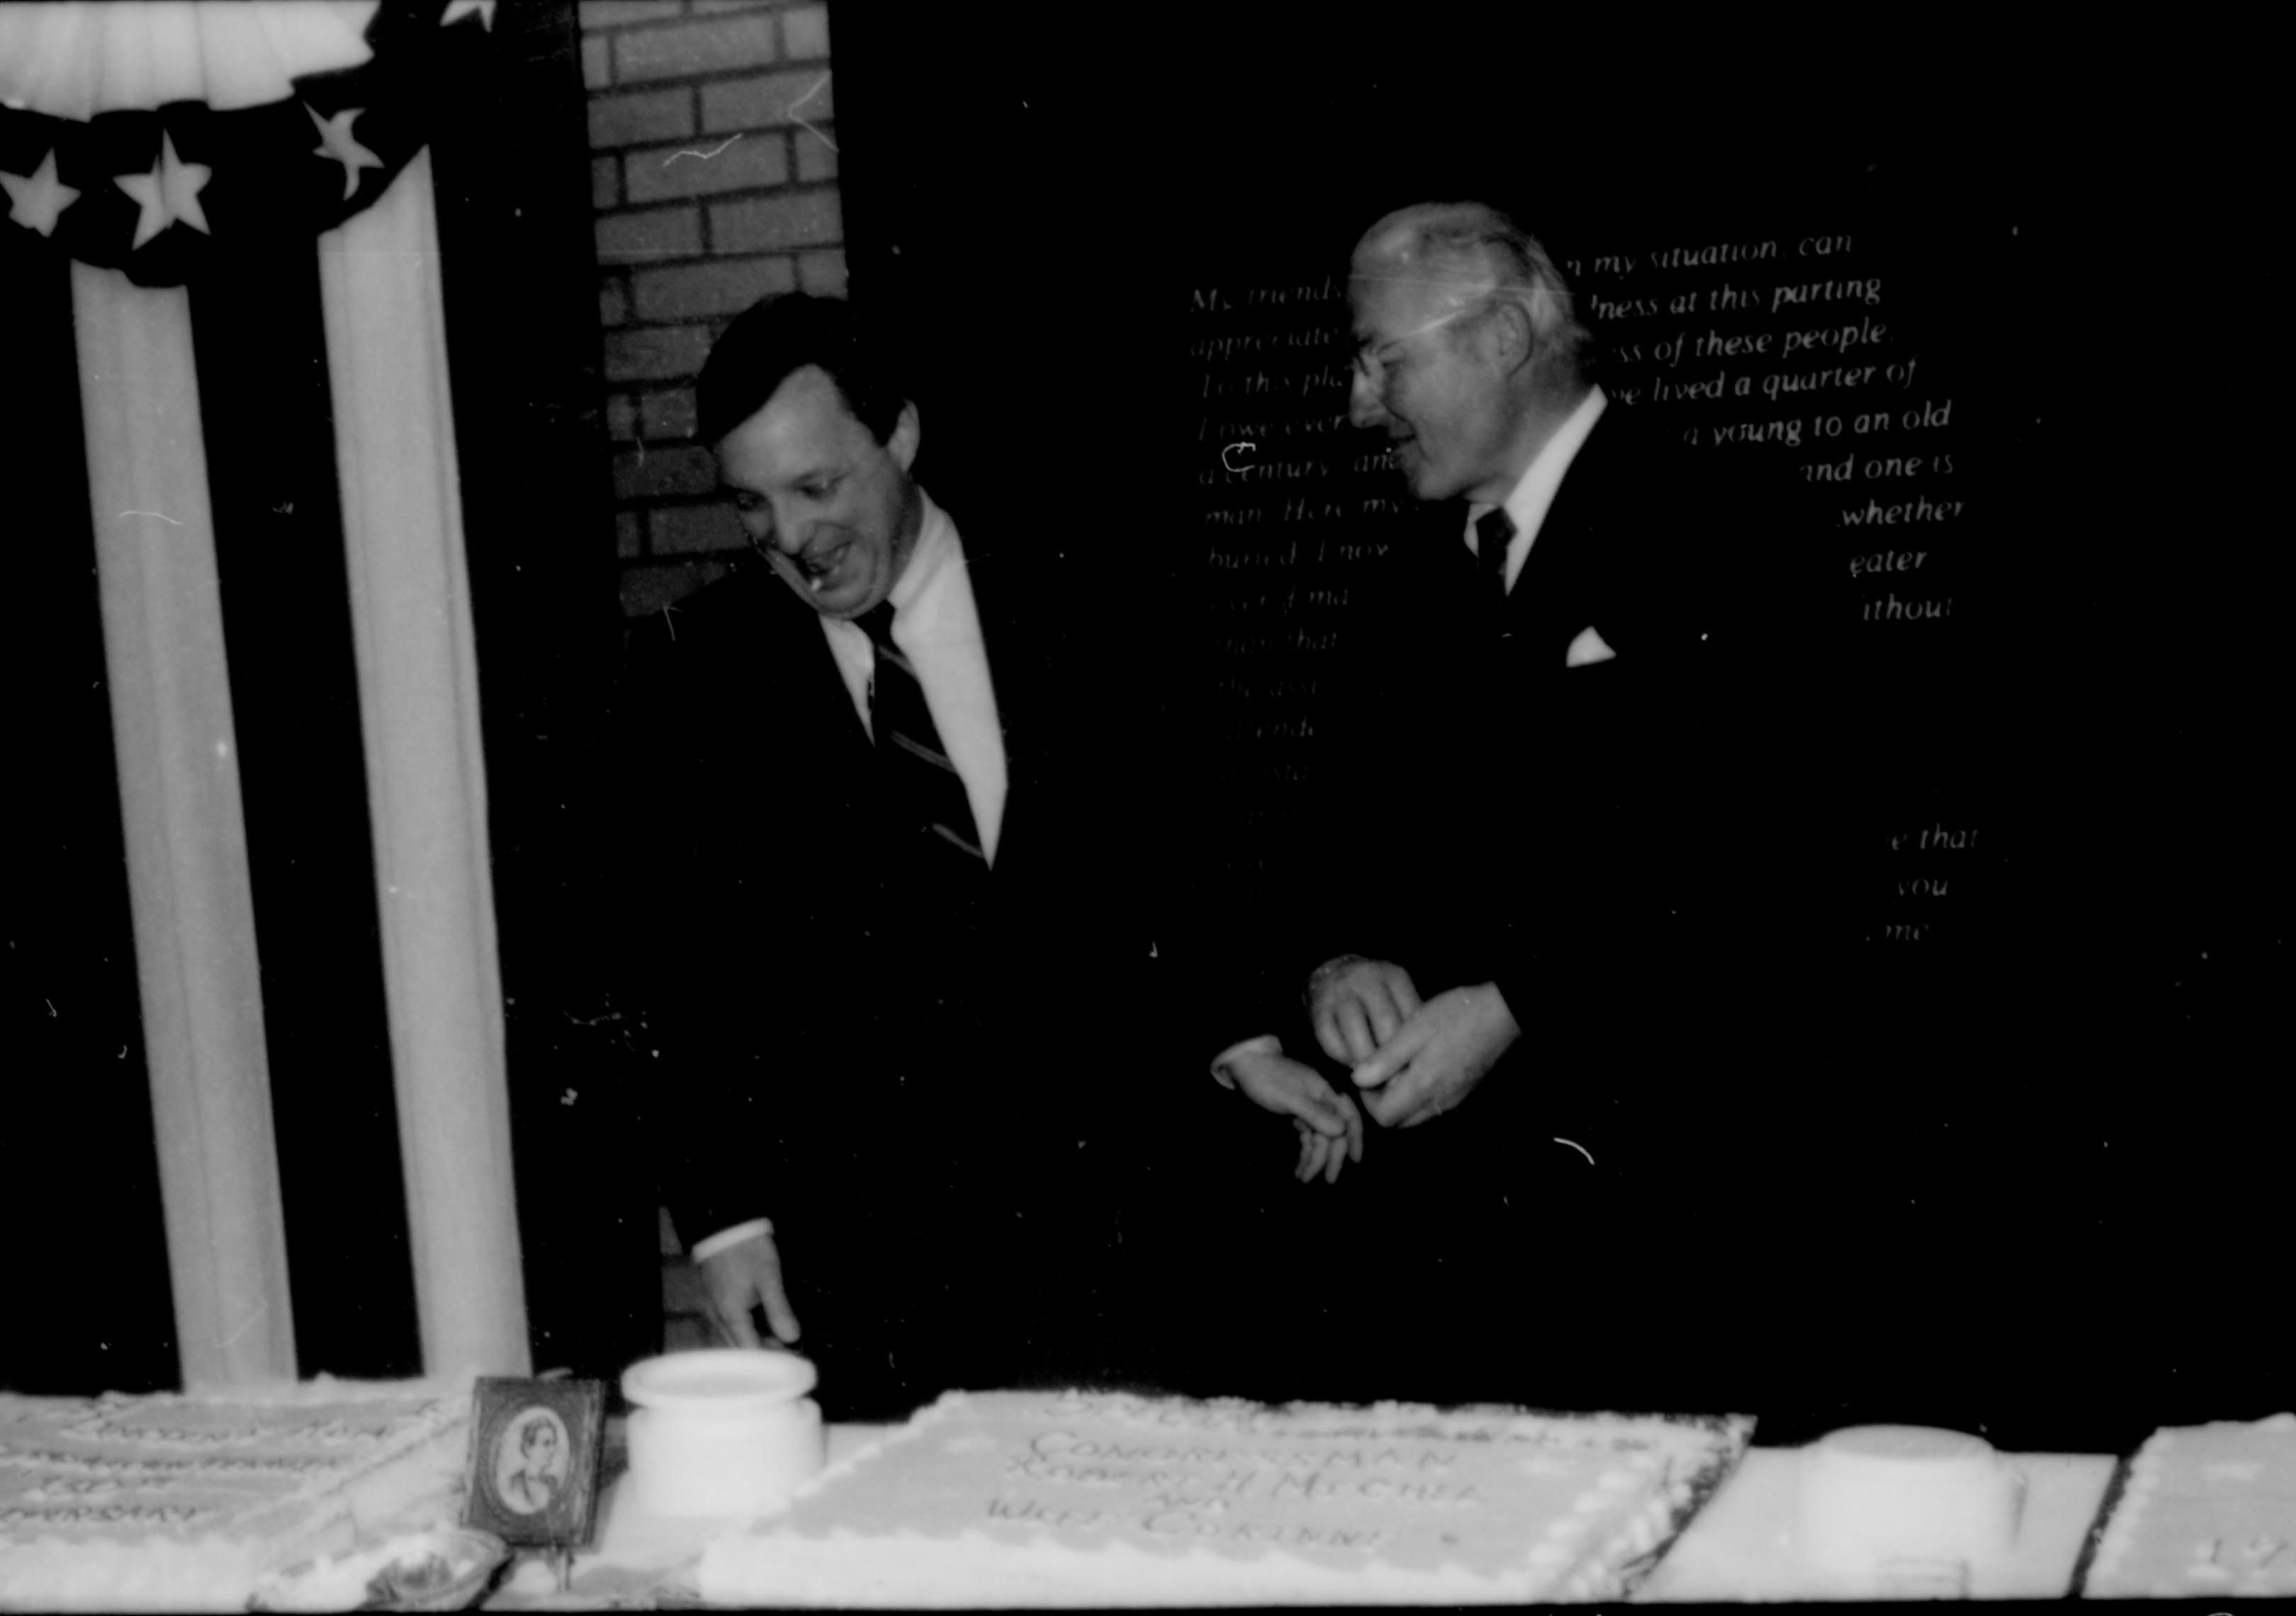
1599 840
922 1110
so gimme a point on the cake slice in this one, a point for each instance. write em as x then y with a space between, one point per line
2203 1510
1079 1498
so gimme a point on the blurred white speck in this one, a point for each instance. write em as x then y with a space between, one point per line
223 748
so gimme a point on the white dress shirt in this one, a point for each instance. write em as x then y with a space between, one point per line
936 624
1535 490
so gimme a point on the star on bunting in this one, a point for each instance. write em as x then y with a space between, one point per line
460 9
336 144
169 194
35 202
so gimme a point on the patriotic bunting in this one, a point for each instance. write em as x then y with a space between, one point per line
157 192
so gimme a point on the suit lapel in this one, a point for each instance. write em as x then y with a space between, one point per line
1560 594
795 672
1013 681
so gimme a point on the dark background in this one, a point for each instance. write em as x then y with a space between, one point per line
2036 1184
1975 1202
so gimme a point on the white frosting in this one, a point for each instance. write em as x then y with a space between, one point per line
182 1502
2206 1509
1075 1499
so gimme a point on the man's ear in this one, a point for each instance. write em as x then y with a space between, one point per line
903 444
1514 336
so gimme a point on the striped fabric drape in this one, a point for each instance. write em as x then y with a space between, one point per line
187 839
164 616
426 777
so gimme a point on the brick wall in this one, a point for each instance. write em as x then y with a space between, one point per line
713 165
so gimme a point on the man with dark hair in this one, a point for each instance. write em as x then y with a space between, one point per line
877 800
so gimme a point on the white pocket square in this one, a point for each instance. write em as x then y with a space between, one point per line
1589 647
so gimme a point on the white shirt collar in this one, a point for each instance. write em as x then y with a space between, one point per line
915 594
1534 491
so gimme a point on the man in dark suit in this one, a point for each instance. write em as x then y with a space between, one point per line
879 919
1536 790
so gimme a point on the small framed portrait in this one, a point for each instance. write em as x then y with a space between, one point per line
535 1449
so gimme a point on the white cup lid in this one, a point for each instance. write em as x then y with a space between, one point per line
1916 1446
718 1378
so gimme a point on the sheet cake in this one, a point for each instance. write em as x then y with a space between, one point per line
183 1502
2205 1510
1069 1498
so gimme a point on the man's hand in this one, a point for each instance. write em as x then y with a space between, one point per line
741 1277
1330 1127
1357 1006
1436 1058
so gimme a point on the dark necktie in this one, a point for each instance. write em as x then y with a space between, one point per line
1494 532
923 788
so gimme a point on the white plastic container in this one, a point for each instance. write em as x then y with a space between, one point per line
727 1431
1907 1510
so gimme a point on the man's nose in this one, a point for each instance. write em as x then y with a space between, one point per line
771 527
1365 408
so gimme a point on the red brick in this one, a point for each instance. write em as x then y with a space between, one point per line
656 353
597 64
664 233
688 529
719 286
695 47
803 218
621 418
822 274
629 535
657 473
804 31
613 303
646 590
668 414
816 157
757 104
630 120
734 162
605 183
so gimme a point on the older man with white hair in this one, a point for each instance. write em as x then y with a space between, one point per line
1534 788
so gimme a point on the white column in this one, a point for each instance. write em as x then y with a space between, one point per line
187 871
426 782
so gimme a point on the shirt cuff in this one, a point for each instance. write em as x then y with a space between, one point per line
1267 1043
725 1240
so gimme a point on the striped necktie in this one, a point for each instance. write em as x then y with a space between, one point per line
922 788
1494 532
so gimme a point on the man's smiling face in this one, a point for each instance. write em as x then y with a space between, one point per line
1417 380
831 508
